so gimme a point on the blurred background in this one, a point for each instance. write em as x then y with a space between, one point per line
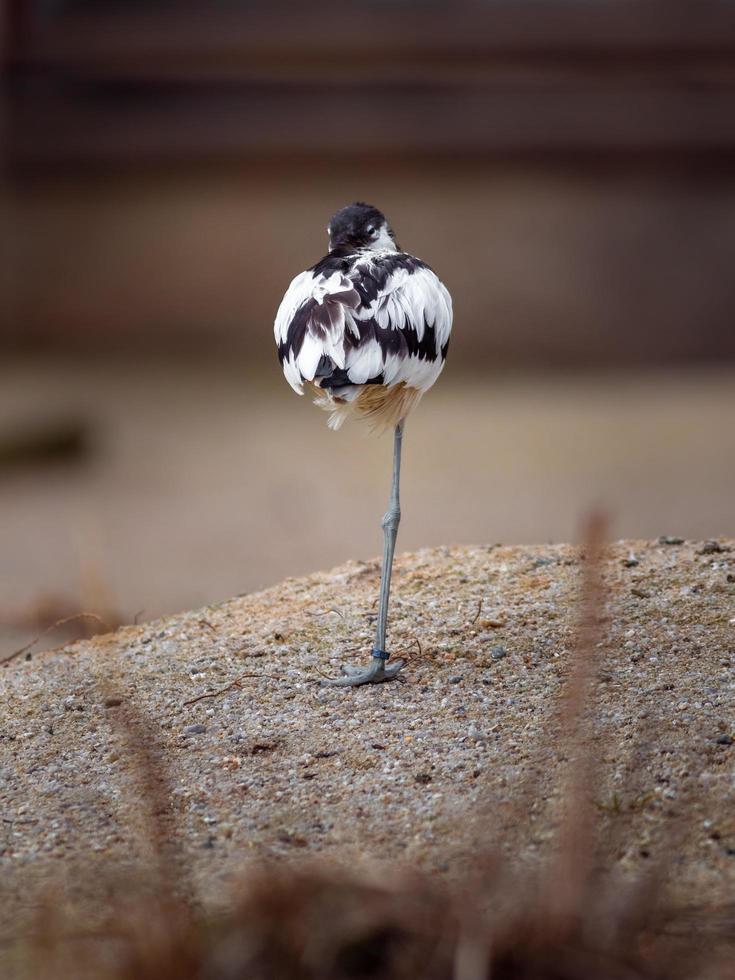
567 168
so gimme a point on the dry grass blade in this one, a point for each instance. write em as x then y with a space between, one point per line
575 845
477 614
234 685
158 823
76 617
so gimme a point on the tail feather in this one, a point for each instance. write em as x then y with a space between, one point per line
382 407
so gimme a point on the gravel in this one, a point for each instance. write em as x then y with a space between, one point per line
262 762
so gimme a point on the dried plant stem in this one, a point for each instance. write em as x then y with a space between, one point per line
233 685
574 860
59 622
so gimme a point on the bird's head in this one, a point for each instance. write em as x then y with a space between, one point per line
360 226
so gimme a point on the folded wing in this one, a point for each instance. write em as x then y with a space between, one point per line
404 333
311 323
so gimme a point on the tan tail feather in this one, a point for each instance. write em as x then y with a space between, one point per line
381 407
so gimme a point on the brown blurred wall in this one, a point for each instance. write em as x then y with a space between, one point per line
568 168
544 267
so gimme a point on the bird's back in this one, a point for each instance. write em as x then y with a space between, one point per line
368 329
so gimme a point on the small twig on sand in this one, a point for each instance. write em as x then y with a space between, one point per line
477 614
320 615
232 686
469 623
412 658
59 622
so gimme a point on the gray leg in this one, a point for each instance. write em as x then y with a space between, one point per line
379 669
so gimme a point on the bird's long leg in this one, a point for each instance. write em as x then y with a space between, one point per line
379 670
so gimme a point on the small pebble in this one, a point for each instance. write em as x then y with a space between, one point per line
668 539
724 740
456 679
195 729
498 652
710 547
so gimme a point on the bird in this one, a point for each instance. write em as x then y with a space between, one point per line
367 330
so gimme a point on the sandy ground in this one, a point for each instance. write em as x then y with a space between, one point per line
466 750
206 481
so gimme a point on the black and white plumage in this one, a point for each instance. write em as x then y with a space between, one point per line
368 326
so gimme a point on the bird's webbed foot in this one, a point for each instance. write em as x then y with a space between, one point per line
378 672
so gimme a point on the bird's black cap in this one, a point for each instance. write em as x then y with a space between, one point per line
354 225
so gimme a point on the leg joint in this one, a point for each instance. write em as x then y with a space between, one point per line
392 518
